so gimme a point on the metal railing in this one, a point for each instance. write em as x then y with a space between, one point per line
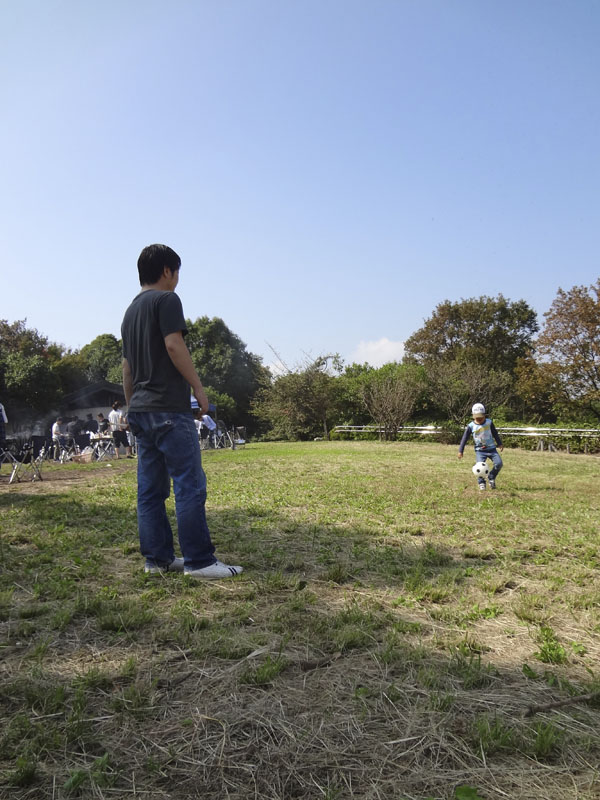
432 429
423 429
543 435
580 432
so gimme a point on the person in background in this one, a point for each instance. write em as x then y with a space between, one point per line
131 440
90 425
205 425
73 427
118 424
103 424
59 436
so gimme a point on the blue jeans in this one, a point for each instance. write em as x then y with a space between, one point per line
491 452
168 448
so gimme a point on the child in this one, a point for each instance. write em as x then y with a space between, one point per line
485 437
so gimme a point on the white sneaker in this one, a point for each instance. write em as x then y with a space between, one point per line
482 487
492 483
216 571
175 566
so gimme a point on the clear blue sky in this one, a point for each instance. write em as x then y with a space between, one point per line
328 170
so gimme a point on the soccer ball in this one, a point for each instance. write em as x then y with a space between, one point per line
480 469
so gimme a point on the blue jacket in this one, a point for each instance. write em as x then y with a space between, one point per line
485 436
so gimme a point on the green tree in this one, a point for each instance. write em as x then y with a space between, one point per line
350 387
302 404
102 358
570 343
223 362
539 393
226 408
391 394
28 381
490 330
70 369
457 385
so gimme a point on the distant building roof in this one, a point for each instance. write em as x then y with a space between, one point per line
101 393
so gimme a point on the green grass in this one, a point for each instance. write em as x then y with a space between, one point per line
391 621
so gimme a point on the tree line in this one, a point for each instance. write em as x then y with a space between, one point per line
36 374
486 349
482 349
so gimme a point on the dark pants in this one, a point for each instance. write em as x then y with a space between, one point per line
168 449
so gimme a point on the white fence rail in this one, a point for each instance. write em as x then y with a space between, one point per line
432 429
541 434
424 429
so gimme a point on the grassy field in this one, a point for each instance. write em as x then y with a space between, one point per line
396 633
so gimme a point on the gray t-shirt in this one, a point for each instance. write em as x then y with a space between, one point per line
157 384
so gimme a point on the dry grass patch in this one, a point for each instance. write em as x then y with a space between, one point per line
387 639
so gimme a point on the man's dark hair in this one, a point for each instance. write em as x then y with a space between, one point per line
152 261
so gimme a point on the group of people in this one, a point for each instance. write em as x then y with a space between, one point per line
65 433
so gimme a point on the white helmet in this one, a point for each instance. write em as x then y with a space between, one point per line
478 410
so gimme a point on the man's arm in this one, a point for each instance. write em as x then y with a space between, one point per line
127 382
182 360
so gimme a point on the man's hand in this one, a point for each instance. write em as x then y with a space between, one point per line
460 455
501 448
127 382
202 399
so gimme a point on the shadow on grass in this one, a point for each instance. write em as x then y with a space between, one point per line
299 680
262 540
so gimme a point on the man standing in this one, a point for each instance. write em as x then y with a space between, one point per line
59 437
118 426
157 375
73 427
90 425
